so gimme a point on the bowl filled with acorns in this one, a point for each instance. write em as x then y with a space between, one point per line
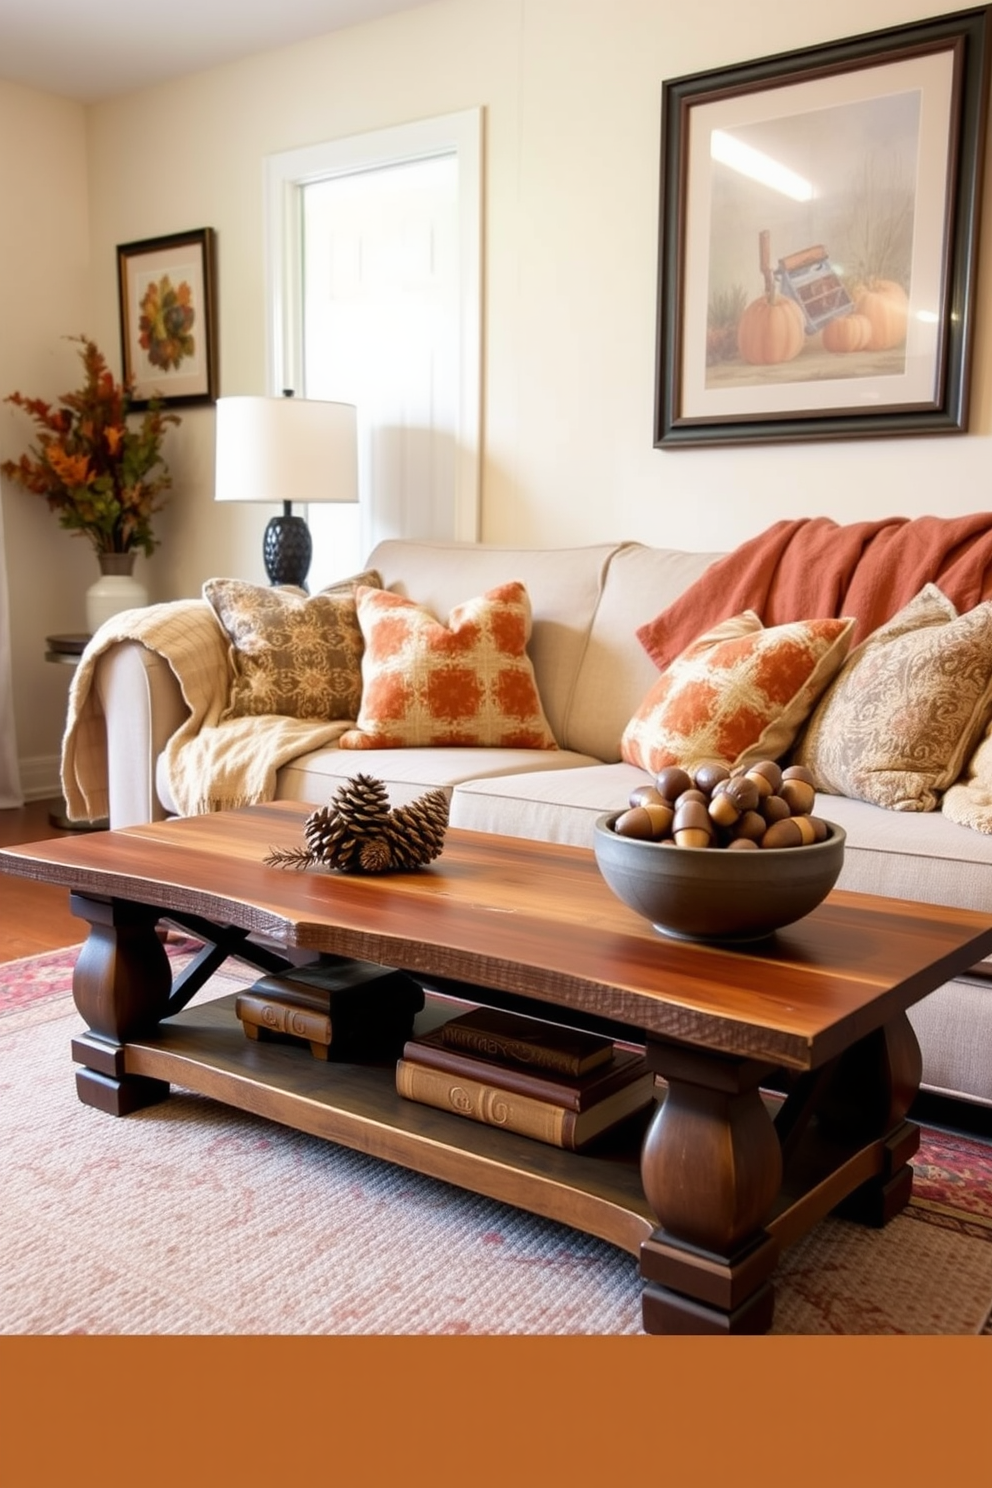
718 855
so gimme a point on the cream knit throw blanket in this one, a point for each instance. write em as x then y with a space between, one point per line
210 764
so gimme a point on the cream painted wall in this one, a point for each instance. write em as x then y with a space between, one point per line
44 281
571 90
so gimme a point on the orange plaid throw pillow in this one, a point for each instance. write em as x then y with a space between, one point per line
738 694
466 683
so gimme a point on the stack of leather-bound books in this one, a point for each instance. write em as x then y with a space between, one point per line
343 1009
559 1085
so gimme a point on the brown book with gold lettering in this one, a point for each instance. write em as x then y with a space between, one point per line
263 1017
530 1043
546 1121
574 1092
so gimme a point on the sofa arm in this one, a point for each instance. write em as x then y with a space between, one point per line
143 706
148 677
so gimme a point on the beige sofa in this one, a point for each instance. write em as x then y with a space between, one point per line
591 673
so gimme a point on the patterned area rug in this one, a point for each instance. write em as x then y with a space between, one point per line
192 1218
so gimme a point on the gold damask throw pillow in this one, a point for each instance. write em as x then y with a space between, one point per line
291 653
906 709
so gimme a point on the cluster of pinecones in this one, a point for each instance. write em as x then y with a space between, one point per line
360 833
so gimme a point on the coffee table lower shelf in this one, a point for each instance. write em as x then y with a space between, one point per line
204 1049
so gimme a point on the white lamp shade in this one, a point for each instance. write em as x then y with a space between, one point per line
286 449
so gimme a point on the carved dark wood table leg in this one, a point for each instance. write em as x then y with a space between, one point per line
718 1163
875 1084
121 986
711 1167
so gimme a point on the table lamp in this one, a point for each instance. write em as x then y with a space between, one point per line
286 449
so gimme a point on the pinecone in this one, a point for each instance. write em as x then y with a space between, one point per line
357 815
416 832
375 855
331 840
363 803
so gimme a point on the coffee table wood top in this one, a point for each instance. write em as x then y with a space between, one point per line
537 920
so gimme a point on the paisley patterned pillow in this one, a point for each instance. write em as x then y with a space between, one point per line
908 707
738 694
291 653
465 683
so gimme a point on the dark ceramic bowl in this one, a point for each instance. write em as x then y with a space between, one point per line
708 893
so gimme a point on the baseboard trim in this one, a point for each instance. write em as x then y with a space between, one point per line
41 777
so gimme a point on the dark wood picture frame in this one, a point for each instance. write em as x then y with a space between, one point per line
168 317
901 203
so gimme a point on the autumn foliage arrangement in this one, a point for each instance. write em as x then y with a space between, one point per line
103 476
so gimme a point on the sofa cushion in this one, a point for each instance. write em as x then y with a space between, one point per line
910 855
739 693
954 1027
465 683
290 653
616 672
548 806
903 715
408 773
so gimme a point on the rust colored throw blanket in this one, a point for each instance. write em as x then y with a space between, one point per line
815 568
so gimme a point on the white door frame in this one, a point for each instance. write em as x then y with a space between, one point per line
285 176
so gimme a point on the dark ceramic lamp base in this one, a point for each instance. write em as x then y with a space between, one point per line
287 550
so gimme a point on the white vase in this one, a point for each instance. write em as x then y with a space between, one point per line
116 589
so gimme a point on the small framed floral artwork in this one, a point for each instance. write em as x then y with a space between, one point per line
168 318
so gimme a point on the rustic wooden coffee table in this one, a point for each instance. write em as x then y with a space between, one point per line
728 1172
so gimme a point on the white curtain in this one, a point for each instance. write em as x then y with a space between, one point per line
10 779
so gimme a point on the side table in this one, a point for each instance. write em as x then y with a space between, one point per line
65 650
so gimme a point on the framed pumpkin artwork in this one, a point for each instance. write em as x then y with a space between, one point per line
168 317
818 243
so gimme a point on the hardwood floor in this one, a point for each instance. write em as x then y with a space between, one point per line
34 917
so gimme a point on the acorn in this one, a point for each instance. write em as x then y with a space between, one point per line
732 799
650 821
709 776
799 795
723 809
692 826
792 831
744 791
692 794
742 844
661 814
645 795
767 776
751 825
634 822
672 781
774 809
